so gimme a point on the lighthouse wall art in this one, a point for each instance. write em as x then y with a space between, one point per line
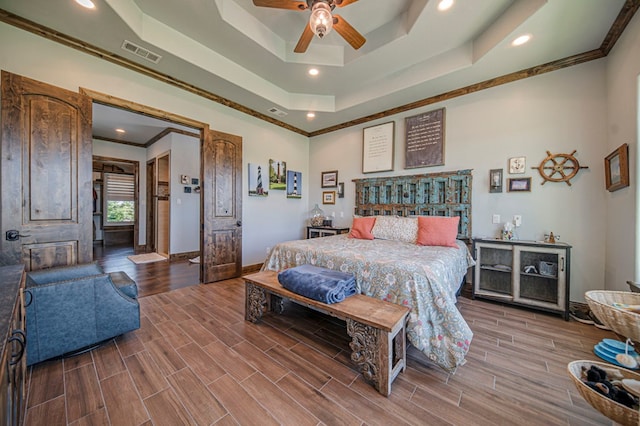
258 185
277 174
294 184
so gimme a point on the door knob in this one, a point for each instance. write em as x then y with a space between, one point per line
14 235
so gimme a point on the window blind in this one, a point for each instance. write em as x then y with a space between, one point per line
119 187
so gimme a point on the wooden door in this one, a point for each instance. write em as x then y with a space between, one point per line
163 205
221 253
152 196
46 175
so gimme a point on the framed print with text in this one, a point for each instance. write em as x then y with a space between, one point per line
377 148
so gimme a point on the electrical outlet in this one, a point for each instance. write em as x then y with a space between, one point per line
517 220
496 218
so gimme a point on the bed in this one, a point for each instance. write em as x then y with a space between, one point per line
392 267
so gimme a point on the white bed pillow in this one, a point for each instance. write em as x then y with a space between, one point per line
396 228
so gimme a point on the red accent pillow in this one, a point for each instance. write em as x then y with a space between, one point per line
438 231
361 228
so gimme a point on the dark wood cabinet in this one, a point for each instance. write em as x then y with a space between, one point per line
324 231
13 361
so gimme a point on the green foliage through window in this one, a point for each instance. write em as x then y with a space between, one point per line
120 211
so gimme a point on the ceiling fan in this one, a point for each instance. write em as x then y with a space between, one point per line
321 20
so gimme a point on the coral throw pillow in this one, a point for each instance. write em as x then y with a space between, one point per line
361 228
438 230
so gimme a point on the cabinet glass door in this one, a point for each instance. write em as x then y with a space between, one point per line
541 273
494 275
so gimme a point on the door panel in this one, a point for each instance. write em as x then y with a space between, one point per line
46 174
222 207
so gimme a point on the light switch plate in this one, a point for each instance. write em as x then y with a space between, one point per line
517 220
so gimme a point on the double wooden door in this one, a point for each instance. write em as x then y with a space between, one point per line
46 185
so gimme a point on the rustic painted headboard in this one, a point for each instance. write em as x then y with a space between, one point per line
433 194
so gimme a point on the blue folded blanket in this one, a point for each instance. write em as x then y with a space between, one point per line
323 285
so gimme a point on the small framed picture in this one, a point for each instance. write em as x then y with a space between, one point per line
328 197
330 179
195 181
517 165
187 190
520 184
341 190
184 179
616 168
495 180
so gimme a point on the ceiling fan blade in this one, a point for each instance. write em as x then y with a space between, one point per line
350 34
282 4
305 40
343 3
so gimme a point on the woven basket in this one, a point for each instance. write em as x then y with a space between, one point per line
613 410
624 323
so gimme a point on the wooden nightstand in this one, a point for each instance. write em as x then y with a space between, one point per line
324 231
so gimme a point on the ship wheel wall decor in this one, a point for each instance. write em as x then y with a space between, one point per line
559 168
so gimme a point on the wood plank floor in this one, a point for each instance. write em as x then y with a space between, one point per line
196 361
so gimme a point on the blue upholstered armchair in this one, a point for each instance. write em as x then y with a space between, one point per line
72 307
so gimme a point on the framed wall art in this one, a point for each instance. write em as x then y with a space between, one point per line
424 141
341 190
520 184
517 165
377 148
256 186
328 197
294 184
329 179
616 168
495 180
277 174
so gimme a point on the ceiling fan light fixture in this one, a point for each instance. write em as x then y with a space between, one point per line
321 20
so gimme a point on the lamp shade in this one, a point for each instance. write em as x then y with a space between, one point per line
321 20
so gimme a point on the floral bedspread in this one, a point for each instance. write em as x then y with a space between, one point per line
423 278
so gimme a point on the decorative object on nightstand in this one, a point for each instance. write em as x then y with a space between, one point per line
316 216
559 168
524 273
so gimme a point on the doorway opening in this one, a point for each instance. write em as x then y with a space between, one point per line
115 201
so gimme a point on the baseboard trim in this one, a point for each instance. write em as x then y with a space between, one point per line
249 269
183 256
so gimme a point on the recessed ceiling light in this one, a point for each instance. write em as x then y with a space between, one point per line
444 5
314 71
86 3
519 41
120 131
311 115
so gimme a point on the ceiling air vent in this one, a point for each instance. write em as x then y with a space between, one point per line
276 111
141 51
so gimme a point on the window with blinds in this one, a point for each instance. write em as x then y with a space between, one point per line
119 199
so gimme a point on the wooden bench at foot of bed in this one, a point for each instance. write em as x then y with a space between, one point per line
376 327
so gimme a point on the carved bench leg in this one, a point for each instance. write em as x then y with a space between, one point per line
380 355
255 302
369 346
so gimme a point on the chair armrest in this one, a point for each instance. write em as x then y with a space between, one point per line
62 273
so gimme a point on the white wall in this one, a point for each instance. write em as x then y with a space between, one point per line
265 221
623 69
185 208
560 112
